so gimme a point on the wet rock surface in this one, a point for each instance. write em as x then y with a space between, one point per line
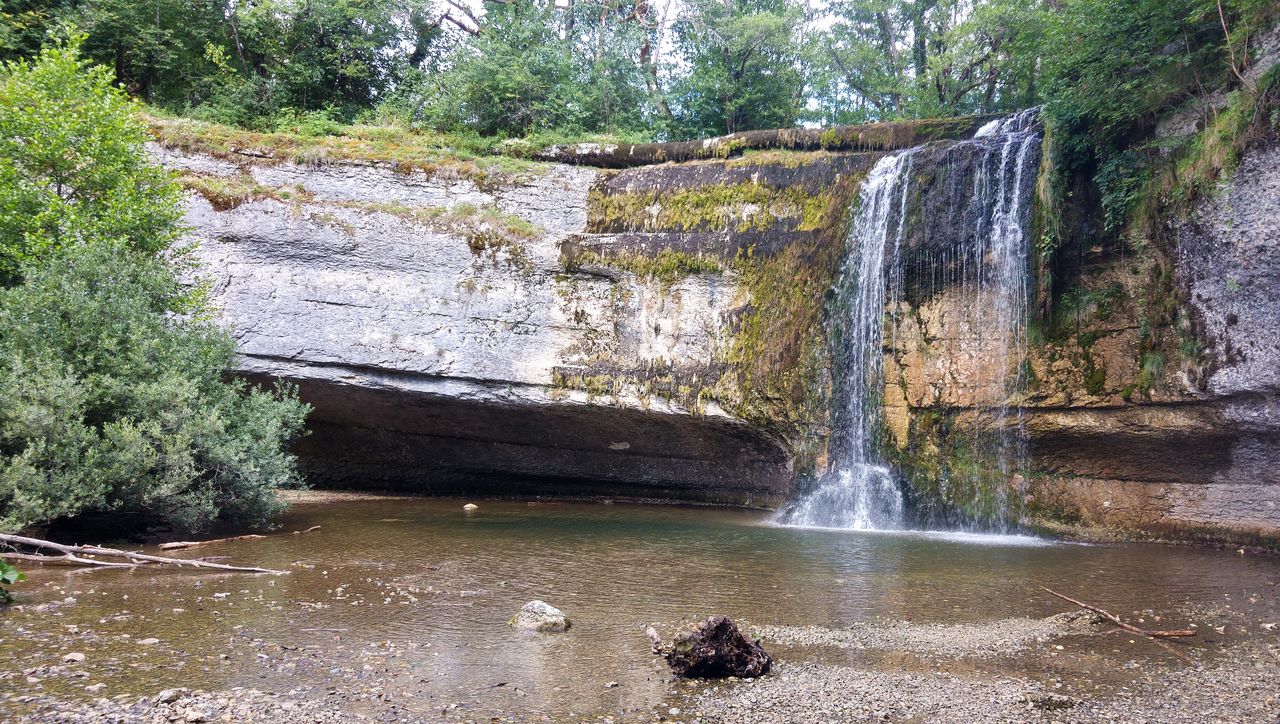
716 649
540 616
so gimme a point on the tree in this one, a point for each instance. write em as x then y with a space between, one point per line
112 389
71 163
745 66
881 60
532 66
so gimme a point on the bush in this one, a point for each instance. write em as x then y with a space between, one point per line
108 402
113 394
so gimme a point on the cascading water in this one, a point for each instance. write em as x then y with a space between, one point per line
982 248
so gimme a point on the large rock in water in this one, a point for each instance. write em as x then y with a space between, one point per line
540 616
716 649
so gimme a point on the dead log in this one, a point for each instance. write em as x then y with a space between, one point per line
74 553
1168 634
66 559
183 545
866 137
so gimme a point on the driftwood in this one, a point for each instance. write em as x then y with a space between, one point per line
75 554
1169 634
183 545
1153 636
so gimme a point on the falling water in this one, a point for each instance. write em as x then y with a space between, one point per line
981 246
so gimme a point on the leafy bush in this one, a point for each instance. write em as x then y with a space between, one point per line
112 387
8 576
108 402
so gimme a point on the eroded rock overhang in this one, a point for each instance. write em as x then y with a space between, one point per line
449 344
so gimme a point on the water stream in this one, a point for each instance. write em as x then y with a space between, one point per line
986 256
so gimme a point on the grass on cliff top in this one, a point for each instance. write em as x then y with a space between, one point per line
404 149
484 227
407 149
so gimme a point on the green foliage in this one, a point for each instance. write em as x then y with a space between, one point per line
745 66
112 389
9 576
534 70
110 403
882 61
71 163
1110 66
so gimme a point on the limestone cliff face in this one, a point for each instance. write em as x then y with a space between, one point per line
445 346
661 331
1167 427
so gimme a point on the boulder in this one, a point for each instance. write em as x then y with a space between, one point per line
540 616
716 649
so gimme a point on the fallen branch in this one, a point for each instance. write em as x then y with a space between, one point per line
1173 634
1153 636
68 559
73 553
183 545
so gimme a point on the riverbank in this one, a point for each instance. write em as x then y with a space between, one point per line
1011 670
395 609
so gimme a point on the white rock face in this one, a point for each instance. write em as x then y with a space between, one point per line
432 364
540 616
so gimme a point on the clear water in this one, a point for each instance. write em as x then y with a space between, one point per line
612 568
989 262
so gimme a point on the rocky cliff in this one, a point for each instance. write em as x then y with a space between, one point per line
658 331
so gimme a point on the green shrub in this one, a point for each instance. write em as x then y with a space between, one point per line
113 389
109 402
8 576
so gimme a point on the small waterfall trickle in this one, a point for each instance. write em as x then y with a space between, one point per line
982 248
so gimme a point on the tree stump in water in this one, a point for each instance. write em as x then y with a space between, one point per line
716 649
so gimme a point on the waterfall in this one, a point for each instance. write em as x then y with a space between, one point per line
980 247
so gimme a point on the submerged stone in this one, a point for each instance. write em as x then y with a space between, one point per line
540 616
716 649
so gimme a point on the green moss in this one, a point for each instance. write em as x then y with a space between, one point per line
1095 378
228 192
953 470
740 207
483 227
667 266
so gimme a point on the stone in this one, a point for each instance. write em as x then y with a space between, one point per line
168 696
74 657
540 616
150 641
716 649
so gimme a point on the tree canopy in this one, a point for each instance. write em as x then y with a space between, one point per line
646 68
